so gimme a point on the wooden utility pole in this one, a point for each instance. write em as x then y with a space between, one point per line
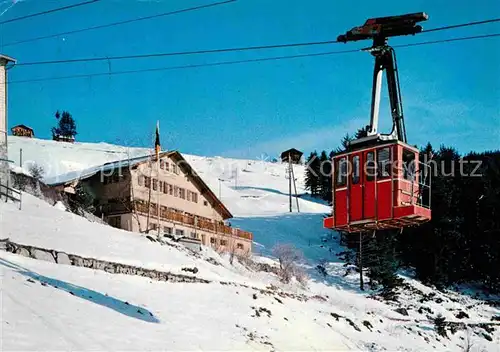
158 194
290 180
149 194
21 157
295 189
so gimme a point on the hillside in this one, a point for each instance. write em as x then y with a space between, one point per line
48 306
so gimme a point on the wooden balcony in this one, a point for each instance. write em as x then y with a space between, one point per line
191 220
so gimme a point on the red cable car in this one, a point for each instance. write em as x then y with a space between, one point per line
379 181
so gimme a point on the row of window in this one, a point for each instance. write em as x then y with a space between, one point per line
223 242
165 165
114 178
167 230
381 167
115 221
167 188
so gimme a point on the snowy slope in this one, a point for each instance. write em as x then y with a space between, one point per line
202 316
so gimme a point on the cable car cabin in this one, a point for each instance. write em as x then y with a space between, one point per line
379 187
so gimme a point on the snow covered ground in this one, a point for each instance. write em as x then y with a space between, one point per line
46 306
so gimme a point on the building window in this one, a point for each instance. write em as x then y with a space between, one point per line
174 168
176 191
141 180
147 182
161 186
341 172
182 193
223 242
384 162
167 230
355 170
408 165
155 184
179 232
370 167
188 196
162 164
213 240
194 197
194 235
167 166
205 203
165 187
239 246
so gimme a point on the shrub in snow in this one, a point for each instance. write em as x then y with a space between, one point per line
440 325
36 171
288 257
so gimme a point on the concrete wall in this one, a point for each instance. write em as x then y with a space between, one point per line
92 263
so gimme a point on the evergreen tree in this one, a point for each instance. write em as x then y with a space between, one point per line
361 132
461 243
325 176
382 261
66 125
312 176
344 143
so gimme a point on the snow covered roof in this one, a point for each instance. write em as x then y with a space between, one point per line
204 189
22 126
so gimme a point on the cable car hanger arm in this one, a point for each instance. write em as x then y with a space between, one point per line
379 30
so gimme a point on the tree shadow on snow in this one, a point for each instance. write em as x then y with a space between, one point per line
270 190
87 294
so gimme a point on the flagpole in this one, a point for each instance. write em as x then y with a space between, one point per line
158 149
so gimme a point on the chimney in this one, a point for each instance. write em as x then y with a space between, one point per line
4 156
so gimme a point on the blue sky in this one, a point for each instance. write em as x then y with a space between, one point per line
451 92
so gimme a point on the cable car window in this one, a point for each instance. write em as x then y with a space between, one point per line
384 162
341 170
355 170
408 165
370 167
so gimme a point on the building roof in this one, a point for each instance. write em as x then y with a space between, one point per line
192 175
22 126
6 58
291 151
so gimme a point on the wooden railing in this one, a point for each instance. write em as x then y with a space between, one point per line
192 220
11 193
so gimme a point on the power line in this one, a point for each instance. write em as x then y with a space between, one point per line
49 11
210 5
448 40
179 53
212 64
224 50
224 63
118 23
461 25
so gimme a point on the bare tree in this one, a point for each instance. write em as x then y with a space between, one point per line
288 257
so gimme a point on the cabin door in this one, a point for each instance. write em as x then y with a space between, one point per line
356 188
369 174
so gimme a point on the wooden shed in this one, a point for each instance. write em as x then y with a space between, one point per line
291 155
22 131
